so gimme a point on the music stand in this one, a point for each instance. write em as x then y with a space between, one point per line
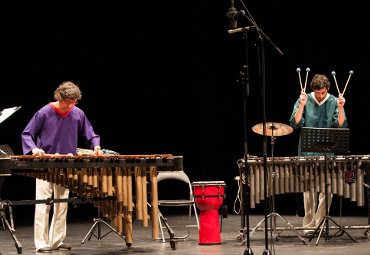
7 112
5 151
6 205
326 140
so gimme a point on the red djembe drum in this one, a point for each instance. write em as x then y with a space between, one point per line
209 197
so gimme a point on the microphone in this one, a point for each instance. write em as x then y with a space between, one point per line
241 29
232 14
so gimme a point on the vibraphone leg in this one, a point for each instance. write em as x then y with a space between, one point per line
10 226
367 172
2 223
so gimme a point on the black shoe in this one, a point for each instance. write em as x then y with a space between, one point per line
64 247
45 250
299 213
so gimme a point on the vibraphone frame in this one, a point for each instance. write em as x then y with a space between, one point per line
289 184
140 166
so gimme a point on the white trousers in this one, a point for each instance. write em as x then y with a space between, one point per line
312 216
43 235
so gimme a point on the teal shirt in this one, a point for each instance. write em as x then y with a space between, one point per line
318 116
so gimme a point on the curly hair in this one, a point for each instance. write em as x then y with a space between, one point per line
320 81
67 89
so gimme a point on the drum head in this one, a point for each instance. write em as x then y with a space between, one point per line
209 183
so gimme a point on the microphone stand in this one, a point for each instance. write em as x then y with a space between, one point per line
232 14
261 54
245 189
262 68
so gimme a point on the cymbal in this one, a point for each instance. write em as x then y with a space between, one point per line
273 129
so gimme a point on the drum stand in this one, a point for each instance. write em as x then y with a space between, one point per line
97 228
10 226
274 214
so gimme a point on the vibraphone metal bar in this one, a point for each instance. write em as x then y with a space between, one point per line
103 176
299 174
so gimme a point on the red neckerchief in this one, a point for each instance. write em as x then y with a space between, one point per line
59 112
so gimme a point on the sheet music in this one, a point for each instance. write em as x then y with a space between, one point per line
4 114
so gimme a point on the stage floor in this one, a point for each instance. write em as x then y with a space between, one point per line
233 240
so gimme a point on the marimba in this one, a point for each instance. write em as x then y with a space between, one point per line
95 177
345 176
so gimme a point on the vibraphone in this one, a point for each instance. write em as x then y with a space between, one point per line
345 176
102 177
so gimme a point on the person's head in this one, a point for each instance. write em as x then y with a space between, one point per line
67 94
320 86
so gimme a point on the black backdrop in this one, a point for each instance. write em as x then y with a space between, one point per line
162 77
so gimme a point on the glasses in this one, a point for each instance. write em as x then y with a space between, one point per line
69 101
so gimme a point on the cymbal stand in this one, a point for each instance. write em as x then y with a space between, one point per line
9 225
274 214
95 230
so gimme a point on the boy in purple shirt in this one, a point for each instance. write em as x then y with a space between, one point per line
55 129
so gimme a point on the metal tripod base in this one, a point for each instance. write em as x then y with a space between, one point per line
274 215
97 228
248 251
10 226
324 224
266 252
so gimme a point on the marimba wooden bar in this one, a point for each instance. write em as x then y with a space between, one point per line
104 177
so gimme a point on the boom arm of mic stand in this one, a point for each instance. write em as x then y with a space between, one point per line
260 31
268 39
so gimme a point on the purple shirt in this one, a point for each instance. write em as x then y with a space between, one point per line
53 133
